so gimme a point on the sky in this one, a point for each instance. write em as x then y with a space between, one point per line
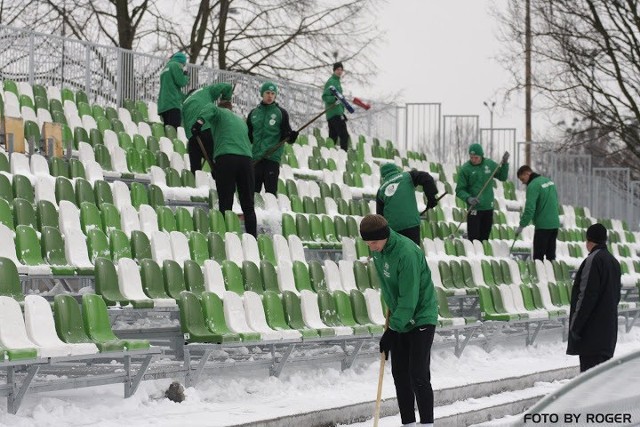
444 51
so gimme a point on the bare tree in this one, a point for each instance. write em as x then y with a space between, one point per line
587 62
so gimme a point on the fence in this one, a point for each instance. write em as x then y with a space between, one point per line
109 75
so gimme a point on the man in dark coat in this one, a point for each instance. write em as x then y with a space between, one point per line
593 322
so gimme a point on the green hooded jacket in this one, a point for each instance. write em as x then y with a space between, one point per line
268 125
471 178
330 100
541 206
229 131
172 79
198 99
406 283
397 193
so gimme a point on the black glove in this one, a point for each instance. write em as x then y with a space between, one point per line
197 126
185 72
505 158
386 341
293 135
432 202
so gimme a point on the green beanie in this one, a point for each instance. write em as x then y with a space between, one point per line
180 57
476 150
388 169
268 86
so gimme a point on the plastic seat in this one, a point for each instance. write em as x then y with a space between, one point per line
193 277
217 222
152 282
233 248
6 192
29 251
266 249
184 220
41 330
192 321
76 252
316 275
360 312
232 277
98 327
340 311
256 319
90 217
235 317
294 318
216 247
198 248
6 214
119 245
215 322
361 275
69 324
103 193
166 219
269 276
22 188
23 213
213 277
311 314
374 306
9 280
53 248
173 278
13 333
301 276
252 278
97 245
179 247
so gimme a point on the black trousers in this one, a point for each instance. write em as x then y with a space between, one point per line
588 361
410 359
267 173
196 157
479 225
172 117
233 171
413 233
544 244
338 131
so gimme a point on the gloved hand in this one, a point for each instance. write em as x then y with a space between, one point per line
505 157
386 341
472 201
432 202
293 135
185 72
519 231
197 126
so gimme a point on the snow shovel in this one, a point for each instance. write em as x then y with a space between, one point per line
376 412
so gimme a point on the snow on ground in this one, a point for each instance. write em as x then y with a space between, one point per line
228 400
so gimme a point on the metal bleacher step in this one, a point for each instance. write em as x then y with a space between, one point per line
456 406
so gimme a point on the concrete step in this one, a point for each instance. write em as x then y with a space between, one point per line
457 406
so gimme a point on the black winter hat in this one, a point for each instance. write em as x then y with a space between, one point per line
337 65
596 233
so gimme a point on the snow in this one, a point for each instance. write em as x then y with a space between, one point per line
232 398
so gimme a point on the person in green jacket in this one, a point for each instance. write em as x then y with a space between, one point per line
335 115
541 209
471 178
408 291
191 108
268 125
172 78
232 157
396 199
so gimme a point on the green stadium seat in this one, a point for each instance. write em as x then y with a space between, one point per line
152 279
103 193
360 313
301 276
139 195
134 161
90 217
119 245
232 221
192 321
70 325
173 278
216 247
330 317
97 245
6 214
232 277
274 314
217 222
103 157
10 285
184 220
64 190
140 246
344 312
293 317
252 278
47 214
110 217
487 308
362 276
193 277
59 167
98 327
95 138
316 274
23 189
84 192
53 252
215 321
265 247
23 213
269 276
166 219
341 228
198 248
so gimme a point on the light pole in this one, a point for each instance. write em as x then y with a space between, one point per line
491 107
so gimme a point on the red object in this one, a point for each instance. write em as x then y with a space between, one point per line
360 103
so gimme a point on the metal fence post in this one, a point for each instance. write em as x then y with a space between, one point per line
31 58
87 71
